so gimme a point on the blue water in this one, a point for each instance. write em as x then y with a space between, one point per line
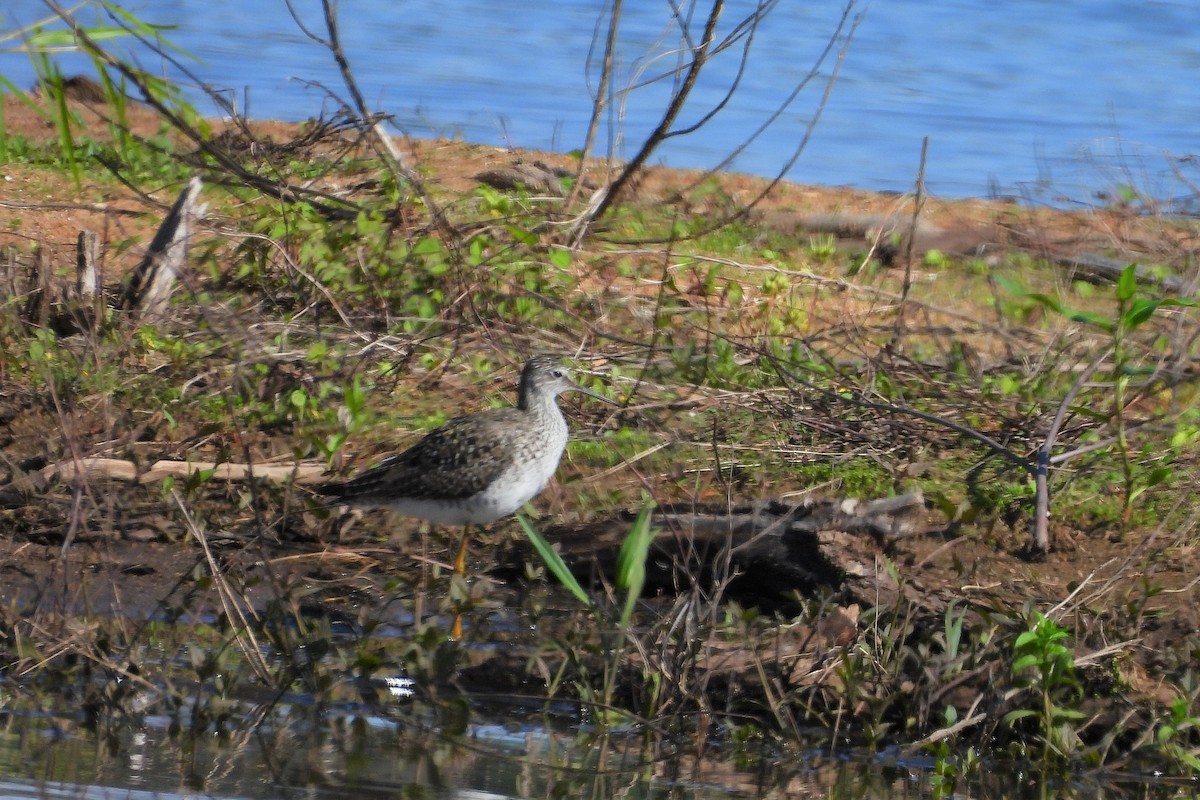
1053 101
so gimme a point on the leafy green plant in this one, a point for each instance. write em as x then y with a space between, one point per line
935 259
822 248
871 669
1177 735
1132 310
950 767
1043 668
554 562
351 417
631 563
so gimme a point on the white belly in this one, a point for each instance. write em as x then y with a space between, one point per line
513 489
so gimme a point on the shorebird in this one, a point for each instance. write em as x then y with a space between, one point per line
476 468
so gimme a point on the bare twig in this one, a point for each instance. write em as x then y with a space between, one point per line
384 147
233 170
598 104
1040 541
700 56
243 631
918 206
840 39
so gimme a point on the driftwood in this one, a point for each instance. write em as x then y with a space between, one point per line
149 286
768 550
1096 268
534 176
120 470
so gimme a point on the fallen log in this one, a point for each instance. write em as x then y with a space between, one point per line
1095 268
764 553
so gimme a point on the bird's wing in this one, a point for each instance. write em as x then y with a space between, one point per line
456 461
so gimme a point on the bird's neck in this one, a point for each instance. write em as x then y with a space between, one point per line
533 403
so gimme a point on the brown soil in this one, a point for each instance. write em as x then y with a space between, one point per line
146 556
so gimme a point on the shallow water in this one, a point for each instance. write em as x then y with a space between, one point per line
295 751
1053 101
461 748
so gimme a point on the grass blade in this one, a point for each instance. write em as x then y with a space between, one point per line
553 561
631 563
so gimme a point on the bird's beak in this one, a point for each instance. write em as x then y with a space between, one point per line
596 395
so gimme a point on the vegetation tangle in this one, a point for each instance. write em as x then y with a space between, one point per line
344 290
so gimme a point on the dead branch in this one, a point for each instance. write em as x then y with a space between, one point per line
118 469
1040 541
700 57
229 170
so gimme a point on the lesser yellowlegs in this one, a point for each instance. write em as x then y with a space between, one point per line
476 468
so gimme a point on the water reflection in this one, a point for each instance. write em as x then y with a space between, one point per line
303 752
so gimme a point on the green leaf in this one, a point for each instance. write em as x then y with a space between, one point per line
1049 302
1092 318
1191 761
1025 662
1091 413
1179 301
316 352
1127 283
1159 475
553 561
521 235
631 563
333 443
561 258
1060 713
49 40
1009 285
355 397
1009 384
15 91
1024 639
1140 311
953 630
427 247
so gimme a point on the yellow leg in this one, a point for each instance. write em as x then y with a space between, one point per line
460 569
460 560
